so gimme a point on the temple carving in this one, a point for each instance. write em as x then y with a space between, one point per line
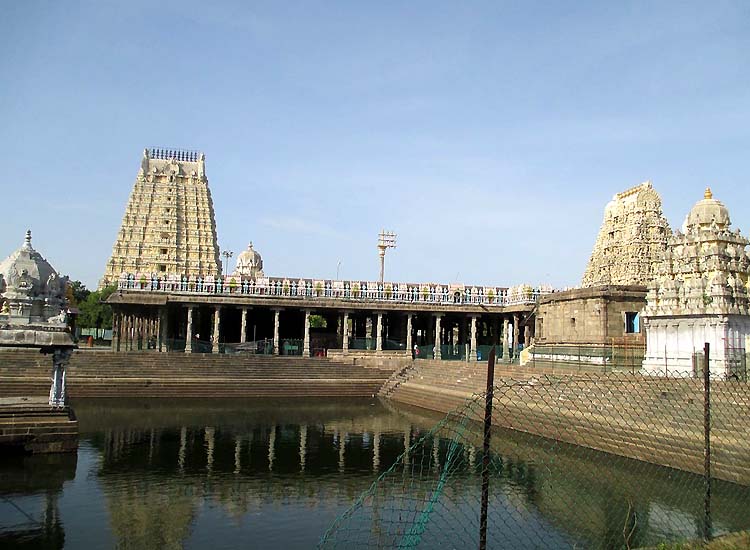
632 239
169 225
700 295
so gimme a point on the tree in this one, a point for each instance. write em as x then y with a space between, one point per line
79 292
94 312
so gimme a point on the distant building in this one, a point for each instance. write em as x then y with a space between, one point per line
249 264
700 295
632 239
169 226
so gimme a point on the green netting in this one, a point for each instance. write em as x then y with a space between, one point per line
552 485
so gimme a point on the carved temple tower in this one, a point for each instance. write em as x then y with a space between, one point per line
699 295
169 224
632 239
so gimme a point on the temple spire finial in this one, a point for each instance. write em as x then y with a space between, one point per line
708 194
27 239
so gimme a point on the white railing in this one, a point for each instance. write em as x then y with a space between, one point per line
363 291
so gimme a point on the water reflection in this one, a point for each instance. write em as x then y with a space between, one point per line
262 473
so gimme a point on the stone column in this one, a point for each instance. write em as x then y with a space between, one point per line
526 336
345 335
506 342
516 332
217 329
438 340
276 314
473 348
243 326
379 335
409 344
163 329
189 333
368 332
306 343
116 332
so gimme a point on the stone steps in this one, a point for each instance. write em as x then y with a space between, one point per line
106 374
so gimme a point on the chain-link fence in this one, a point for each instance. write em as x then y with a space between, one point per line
589 460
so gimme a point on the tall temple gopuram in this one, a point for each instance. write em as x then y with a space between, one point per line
169 224
632 239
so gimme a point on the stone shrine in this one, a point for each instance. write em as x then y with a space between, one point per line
631 240
249 264
699 295
33 311
169 224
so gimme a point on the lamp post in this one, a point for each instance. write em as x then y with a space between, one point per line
338 265
386 239
227 255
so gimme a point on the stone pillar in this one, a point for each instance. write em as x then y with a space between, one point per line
473 348
276 314
345 336
516 332
189 333
368 332
526 336
163 329
57 395
409 344
216 331
306 343
379 335
438 341
243 326
116 332
506 341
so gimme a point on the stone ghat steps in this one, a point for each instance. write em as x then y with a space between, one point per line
201 389
650 419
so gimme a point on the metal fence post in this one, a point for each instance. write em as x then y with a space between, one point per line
486 448
707 444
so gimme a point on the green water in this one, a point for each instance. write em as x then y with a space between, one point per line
277 473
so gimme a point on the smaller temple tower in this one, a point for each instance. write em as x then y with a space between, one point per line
632 238
169 226
699 295
249 264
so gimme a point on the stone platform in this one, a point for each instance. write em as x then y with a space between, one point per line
30 425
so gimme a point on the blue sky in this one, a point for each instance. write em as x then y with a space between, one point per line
488 135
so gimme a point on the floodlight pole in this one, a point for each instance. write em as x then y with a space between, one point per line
227 255
386 239
486 450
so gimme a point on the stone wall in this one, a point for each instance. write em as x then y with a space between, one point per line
589 315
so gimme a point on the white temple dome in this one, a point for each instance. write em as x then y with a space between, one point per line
249 263
706 212
26 267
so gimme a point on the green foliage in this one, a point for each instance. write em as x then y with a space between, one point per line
317 321
93 312
79 291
